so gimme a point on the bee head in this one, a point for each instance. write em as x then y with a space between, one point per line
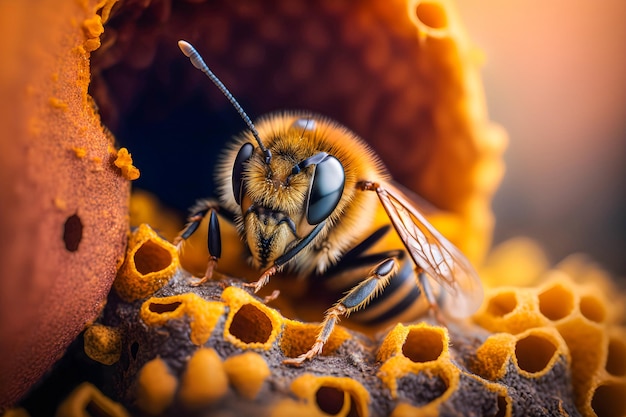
285 199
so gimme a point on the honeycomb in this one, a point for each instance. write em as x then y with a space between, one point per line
556 348
583 316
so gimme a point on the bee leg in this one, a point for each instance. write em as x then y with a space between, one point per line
193 222
214 241
284 258
430 297
330 319
257 285
358 297
261 282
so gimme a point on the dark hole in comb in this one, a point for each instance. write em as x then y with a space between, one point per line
534 353
251 325
609 400
134 349
164 308
72 233
329 399
500 406
151 257
423 345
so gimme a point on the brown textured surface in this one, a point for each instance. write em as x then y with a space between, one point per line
55 163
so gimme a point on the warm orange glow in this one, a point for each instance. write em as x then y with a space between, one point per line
555 78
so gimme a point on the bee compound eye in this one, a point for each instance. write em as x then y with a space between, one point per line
244 154
325 190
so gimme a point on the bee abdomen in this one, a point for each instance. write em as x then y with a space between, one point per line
399 301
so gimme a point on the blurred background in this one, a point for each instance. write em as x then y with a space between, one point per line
555 78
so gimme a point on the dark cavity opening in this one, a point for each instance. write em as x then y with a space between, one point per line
423 345
72 232
592 308
609 400
134 349
329 399
151 257
164 308
556 302
251 325
501 406
534 353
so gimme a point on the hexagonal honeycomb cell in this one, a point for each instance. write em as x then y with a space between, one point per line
556 301
202 315
150 262
250 324
537 350
298 337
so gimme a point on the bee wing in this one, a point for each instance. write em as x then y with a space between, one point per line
433 253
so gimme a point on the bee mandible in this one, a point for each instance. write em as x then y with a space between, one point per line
305 194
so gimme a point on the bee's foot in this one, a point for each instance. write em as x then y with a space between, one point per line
274 295
261 281
196 282
313 352
252 285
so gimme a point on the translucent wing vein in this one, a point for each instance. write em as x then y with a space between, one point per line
434 254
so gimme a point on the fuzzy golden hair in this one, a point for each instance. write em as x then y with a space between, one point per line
290 143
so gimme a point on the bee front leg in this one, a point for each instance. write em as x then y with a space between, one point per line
284 258
261 282
358 297
214 241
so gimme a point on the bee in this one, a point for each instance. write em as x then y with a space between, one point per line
308 196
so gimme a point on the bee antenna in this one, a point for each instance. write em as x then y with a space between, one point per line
199 63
